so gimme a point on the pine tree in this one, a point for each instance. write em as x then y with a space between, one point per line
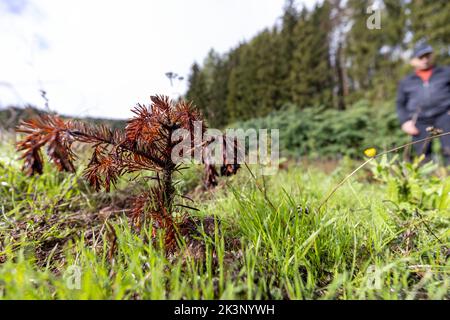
265 88
238 79
360 48
430 21
392 46
253 89
339 20
218 90
284 49
311 73
198 90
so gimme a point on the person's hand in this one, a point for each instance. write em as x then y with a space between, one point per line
410 128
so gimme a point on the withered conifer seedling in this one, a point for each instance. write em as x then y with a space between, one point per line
229 166
145 144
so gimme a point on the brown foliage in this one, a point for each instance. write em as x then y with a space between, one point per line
145 144
47 130
229 166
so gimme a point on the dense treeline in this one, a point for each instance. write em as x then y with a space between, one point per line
325 57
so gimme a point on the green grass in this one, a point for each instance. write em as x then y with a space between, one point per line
358 246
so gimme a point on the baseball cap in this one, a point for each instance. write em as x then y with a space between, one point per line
421 49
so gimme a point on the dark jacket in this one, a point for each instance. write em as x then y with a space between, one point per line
419 101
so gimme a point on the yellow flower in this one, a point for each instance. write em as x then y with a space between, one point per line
370 152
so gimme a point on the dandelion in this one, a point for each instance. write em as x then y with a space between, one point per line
370 152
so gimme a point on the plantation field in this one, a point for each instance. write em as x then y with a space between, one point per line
383 235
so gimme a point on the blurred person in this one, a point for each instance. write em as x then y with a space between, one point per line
423 101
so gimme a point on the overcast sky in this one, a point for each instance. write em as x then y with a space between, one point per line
100 58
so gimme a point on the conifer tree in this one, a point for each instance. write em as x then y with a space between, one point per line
362 50
219 92
392 47
429 20
311 73
284 50
197 89
236 85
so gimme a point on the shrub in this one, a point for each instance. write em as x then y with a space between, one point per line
320 132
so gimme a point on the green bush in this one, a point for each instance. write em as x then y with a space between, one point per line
320 132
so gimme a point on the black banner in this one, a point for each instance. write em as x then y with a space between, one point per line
175 309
